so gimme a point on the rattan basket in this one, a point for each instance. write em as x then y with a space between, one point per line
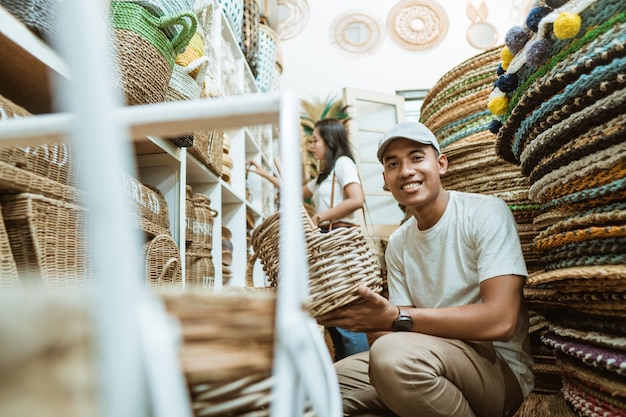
48 240
339 261
207 148
227 348
266 58
54 161
8 270
40 16
145 53
150 212
162 262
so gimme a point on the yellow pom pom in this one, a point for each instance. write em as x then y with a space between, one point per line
506 56
567 25
498 105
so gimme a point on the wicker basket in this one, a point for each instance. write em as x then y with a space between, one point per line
162 262
8 270
250 33
267 56
227 348
145 53
207 147
40 16
48 240
53 161
150 208
339 261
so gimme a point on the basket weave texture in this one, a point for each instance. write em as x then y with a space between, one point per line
162 262
199 261
339 261
48 241
145 53
207 147
150 208
8 270
227 348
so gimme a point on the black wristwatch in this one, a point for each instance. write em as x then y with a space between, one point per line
404 322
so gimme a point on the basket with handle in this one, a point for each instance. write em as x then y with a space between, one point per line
146 55
200 267
150 211
162 262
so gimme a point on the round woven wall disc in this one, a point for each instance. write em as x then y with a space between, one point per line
356 32
417 24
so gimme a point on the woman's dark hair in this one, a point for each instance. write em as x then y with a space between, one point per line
334 133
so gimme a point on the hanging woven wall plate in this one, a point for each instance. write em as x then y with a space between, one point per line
356 32
293 16
417 24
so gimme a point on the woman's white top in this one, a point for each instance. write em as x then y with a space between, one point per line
346 173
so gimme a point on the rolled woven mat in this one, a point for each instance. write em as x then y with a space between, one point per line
472 128
598 357
592 171
597 139
585 377
466 72
607 277
592 337
572 125
595 18
587 400
600 251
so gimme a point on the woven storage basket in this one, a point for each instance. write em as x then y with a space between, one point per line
48 240
150 208
207 147
53 161
233 11
227 348
40 16
266 58
145 54
162 262
8 270
339 261
250 33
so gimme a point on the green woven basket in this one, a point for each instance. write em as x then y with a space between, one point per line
146 55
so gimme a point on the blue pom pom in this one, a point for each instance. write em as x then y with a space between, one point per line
555 4
516 38
494 126
507 83
538 52
500 70
535 16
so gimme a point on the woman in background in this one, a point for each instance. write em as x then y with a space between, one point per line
336 194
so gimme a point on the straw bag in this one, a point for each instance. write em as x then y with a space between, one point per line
145 53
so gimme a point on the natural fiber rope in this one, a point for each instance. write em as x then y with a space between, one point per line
592 272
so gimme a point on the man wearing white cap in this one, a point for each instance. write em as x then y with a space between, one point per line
455 339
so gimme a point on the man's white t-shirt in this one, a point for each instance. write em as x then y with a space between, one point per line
475 239
346 173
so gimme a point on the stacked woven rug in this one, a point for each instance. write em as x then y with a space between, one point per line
559 114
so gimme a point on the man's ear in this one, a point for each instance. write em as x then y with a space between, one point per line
385 186
442 160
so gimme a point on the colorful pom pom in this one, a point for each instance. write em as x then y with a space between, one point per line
537 52
498 105
500 70
555 4
567 25
516 38
535 16
507 83
506 56
494 126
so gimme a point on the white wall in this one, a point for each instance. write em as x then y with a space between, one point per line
313 67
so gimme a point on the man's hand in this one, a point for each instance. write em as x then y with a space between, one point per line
374 313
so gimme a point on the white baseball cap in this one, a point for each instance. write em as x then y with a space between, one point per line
414 131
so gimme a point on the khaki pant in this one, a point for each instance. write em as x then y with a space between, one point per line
411 374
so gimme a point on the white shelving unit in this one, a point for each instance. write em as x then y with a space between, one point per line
140 376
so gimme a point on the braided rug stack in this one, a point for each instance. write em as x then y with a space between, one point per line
558 111
454 109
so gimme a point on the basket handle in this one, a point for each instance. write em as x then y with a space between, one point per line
201 65
166 268
189 23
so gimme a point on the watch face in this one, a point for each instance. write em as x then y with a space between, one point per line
403 324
